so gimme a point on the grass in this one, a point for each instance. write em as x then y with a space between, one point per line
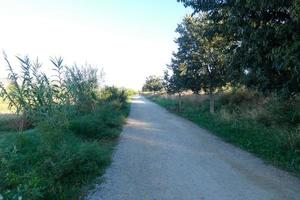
63 135
34 168
4 107
8 120
265 127
56 164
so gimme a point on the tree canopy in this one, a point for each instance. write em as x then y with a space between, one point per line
153 84
242 43
263 38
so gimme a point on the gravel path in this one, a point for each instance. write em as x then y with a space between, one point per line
161 156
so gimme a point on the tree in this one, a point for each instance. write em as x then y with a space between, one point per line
200 60
175 83
264 41
153 83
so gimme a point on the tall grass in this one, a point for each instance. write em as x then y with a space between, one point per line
265 126
36 96
72 128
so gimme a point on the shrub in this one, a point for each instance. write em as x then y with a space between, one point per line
105 122
110 94
237 98
284 112
50 161
48 166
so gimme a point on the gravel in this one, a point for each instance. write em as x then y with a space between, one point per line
161 156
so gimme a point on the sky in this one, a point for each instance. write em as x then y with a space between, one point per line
128 39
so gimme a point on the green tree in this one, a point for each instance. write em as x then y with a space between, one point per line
153 84
264 40
176 82
200 60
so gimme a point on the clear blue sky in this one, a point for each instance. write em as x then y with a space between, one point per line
129 39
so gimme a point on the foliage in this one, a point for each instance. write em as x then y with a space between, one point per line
263 38
81 85
110 93
52 166
153 84
199 63
104 123
174 83
36 96
47 163
130 92
73 129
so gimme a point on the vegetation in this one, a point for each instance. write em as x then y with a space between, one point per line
66 128
4 107
237 43
262 38
153 84
264 126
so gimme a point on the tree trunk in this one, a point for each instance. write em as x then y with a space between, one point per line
179 101
212 102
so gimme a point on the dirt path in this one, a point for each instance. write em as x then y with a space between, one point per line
164 157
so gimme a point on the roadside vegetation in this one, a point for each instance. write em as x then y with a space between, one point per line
153 84
61 130
240 60
265 126
4 107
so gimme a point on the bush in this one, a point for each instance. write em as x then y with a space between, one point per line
48 166
109 94
105 122
239 96
284 113
51 161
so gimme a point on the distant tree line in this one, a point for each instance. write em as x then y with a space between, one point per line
153 84
255 44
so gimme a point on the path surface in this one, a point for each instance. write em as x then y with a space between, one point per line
164 157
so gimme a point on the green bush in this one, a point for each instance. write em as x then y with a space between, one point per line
112 93
51 161
48 166
105 122
239 96
285 112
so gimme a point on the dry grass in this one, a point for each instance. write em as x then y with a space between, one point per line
8 120
4 107
188 97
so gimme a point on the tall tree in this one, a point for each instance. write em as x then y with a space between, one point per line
176 82
200 56
264 40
